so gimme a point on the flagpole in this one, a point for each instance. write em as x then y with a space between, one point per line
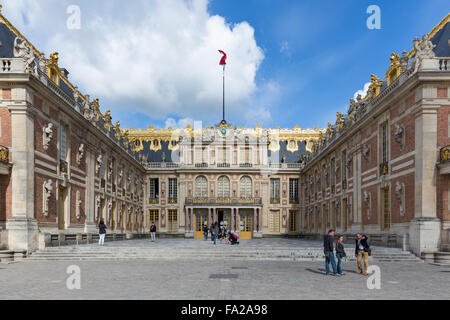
224 93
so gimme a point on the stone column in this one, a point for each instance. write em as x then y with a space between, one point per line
89 226
22 226
357 196
232 220
425 228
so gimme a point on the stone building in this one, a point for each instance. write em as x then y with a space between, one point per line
65 165
381 169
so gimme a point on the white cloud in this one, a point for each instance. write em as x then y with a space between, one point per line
180 123
285 47
158 56
362 92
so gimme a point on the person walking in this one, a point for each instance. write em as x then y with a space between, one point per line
340 254
205 232
362 252
328 249
214 232
102 233
153 231
211 230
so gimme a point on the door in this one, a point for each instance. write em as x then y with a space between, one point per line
61 208
201 219
227 220
246 225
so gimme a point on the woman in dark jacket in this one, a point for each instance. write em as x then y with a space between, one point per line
102 232
340 253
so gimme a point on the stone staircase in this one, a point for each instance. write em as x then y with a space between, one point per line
223 253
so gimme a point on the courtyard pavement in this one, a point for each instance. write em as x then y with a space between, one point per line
197 280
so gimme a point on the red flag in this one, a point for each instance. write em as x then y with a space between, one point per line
223 61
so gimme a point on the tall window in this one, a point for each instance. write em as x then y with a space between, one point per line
63 143
275 190
102 166
201 155
201 187
246 156
333 173
113 171
223 187
223 156
386 210
293 221
344 165
154 217
154 189
274 221
384 137
245 187
173 189
172 221
293 190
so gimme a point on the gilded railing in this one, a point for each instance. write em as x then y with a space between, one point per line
223 201
445 154
4 154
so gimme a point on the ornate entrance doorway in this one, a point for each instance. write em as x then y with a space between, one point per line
246 225
201 219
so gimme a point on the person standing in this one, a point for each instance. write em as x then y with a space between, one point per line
205 232
153 231
214 232
362 253
340 254
102 232
328 248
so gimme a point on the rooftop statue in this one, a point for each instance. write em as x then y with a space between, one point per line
424 50
22 50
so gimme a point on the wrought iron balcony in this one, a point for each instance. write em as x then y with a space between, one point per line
4 154
223 201
63 166
445 154
384 168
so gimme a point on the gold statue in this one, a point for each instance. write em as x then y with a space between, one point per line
321 139
374 88
340 121
330 131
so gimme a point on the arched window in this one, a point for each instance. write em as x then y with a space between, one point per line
245 187
201 187
223 187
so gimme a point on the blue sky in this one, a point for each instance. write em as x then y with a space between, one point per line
155 62
331 53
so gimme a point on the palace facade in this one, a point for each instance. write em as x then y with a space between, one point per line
380 169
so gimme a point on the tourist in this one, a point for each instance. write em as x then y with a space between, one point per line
340 254
328 248
214 232
205 232
153 231
102 232
362 251
233 238
211 230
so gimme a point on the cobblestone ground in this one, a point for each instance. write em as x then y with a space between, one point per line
214 280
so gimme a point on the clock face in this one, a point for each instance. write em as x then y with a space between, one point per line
223 132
